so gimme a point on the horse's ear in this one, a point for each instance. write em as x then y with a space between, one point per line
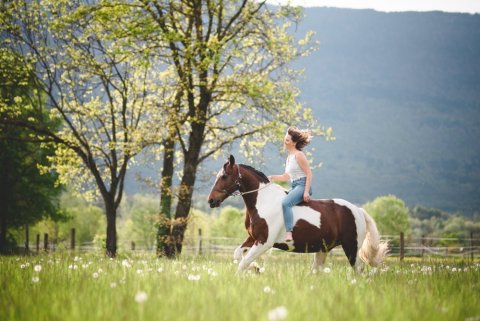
231 160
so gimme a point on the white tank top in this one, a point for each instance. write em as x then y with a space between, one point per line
293 169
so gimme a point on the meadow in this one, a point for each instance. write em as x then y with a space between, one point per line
81 287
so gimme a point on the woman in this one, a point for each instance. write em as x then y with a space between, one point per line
298 171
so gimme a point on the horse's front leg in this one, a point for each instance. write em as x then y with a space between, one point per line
246 245
255 251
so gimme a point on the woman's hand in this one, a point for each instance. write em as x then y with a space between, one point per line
306 197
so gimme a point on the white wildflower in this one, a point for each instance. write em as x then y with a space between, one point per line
193 277
268 289
95 275
327 270
35 279
160 270
277 314
141 297
113 285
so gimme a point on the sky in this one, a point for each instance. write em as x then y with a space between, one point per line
463 6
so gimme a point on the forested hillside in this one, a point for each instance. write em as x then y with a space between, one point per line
402 93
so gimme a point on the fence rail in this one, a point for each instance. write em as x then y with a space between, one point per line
468 248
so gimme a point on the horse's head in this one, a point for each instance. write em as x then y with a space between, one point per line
227 182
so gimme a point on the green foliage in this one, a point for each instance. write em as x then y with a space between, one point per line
390 214
230 223
138 220
27 194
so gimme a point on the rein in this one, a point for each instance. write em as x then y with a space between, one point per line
237 184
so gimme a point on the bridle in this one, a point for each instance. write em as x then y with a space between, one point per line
236 186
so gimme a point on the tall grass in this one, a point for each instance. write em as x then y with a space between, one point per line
142 287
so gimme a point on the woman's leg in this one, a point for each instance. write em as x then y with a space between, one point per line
294 197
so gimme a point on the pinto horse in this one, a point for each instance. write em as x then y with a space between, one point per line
319 225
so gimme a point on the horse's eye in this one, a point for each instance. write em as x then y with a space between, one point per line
224 176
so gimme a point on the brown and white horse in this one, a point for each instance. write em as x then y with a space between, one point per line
319 225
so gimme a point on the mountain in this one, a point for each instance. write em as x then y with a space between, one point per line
402 94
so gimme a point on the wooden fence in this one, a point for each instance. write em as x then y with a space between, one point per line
468 248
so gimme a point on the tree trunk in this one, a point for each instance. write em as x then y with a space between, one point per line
164 243
111 242
186 188
3 235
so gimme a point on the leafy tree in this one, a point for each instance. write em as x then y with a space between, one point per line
26 194
229 63
390 214
422 213
105 96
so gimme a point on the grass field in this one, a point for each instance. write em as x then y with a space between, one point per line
141 287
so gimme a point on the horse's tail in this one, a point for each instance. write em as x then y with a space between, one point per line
372 251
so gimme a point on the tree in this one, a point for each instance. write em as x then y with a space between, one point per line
229 61
390 214
26 194
105 96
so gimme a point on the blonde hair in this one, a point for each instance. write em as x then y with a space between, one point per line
301 137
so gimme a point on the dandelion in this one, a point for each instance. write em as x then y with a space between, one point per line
277 314
327 270
160 270
35 279
193 277
125 263
113 285
23 266
268 289
353 281
37 268
141 297
95 275
73 267
212 273
139 271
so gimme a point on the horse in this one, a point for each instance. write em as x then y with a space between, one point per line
319 225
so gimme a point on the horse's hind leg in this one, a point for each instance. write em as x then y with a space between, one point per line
351 251
318 260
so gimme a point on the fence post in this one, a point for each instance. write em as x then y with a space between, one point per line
133 245
27 239
402 246
471 246
423 245
72 239
199 249
45 242
38 243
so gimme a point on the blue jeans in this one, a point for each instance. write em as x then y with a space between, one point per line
294 197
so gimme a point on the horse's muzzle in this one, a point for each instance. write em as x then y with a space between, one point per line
214 203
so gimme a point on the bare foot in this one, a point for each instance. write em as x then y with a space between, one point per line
288 237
